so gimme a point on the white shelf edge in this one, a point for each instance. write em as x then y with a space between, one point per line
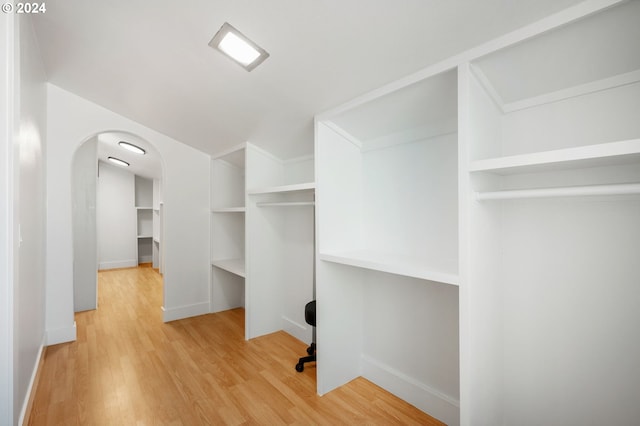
409 269
570 191
144 208
229 210
235 266
286 204
144 236
283 188
520 163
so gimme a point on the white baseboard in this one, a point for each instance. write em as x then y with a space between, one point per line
61 335
181 312
296 329
33 383
437 404
115 264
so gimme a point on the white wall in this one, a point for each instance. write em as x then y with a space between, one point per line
85 277
22 214
73 120
6 219
116 218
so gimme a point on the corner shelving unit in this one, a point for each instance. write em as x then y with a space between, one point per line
387 275
158 210
280 249
551 197
501 185
144 219
228 230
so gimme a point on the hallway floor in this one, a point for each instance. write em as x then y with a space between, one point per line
127 367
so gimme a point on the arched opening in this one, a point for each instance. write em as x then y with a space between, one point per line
117 210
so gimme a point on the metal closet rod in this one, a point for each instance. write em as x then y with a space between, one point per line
568 191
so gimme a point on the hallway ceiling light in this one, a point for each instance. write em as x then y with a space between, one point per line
236 46
118 161
131 147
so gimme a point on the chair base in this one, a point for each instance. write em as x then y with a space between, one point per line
311 358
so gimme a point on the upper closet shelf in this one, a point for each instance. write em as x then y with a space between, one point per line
229 210
144 208
283 188
606 154
393 264
286 204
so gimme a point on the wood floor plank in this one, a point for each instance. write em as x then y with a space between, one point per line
128 368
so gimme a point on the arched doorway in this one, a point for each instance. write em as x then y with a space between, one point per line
116 209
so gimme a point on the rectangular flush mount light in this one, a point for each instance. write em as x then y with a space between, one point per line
235 45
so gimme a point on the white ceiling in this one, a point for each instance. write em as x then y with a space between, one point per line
149 59
148 165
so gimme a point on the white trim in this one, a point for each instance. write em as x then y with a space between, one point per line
438 404
297 330
61 335
415 135
32 383
264 153
340 131
228 151
572 92
298 159
482 79
116 264
187 311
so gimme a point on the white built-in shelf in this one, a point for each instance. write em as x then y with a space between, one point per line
393 264
606 154
286 204
284 188
235 266
229 210
140 237
144 208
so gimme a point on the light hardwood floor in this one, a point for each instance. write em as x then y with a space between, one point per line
129 368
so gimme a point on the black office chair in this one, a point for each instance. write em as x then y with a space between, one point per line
310 318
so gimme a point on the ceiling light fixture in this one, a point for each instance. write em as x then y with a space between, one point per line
236 46
131 147
118 161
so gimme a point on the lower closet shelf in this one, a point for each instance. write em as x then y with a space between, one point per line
393 264
235 266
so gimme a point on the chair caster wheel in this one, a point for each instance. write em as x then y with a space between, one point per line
300 368
310 350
